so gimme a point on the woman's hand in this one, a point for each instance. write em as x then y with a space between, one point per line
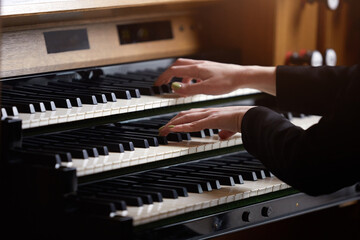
228 119
214 78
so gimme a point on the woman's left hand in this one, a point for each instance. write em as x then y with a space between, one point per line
228 119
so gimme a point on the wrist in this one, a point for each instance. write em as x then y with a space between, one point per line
241 114
258 77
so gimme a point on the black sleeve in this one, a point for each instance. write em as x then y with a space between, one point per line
321 159
310 90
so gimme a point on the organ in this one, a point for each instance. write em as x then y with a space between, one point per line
80 151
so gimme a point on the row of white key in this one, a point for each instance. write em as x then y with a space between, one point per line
87 111
173 207
172 150
146 155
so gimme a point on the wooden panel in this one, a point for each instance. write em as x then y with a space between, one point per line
261 31
36 7
241 28
24 52
340 30
296 28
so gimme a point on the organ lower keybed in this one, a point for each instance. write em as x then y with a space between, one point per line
81 155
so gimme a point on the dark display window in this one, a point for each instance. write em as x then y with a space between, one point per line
66 40
144 32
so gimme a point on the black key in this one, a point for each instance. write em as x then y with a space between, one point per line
204 184
56 95
88 206
75 152
185 136
166 88
100 97
112 147
109 95
191 187
137 142
176 137
260 174
63 102
199 134
247 175
215 131
67 92
146 198
223 179
238 179
119 93
181 191
166 193
130 200
209 132
215 184
142 89
119 204
152 141
38 104
85 98
92 151
32 89
134 92
127 145
156 196
102 150
160 139
22 107
49 105
65 157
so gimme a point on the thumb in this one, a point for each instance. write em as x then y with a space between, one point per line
224 134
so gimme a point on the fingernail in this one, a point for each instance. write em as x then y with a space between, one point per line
176 85
171 126
161 128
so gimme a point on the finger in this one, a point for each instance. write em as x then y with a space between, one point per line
191 127
182 113
183 71
186 61
183 117
225 134
189 89
187 118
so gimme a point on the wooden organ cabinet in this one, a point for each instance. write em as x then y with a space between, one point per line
80 153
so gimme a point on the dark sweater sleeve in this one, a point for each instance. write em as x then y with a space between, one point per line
321 159
310 90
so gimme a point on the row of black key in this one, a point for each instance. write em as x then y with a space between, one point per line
100 140
66 93
172 182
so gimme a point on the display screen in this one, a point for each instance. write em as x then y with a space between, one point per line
144 32
66 40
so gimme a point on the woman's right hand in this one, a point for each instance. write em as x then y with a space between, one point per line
213 78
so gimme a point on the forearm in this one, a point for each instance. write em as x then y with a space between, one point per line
257 77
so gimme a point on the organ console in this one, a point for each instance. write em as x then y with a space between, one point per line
80 151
